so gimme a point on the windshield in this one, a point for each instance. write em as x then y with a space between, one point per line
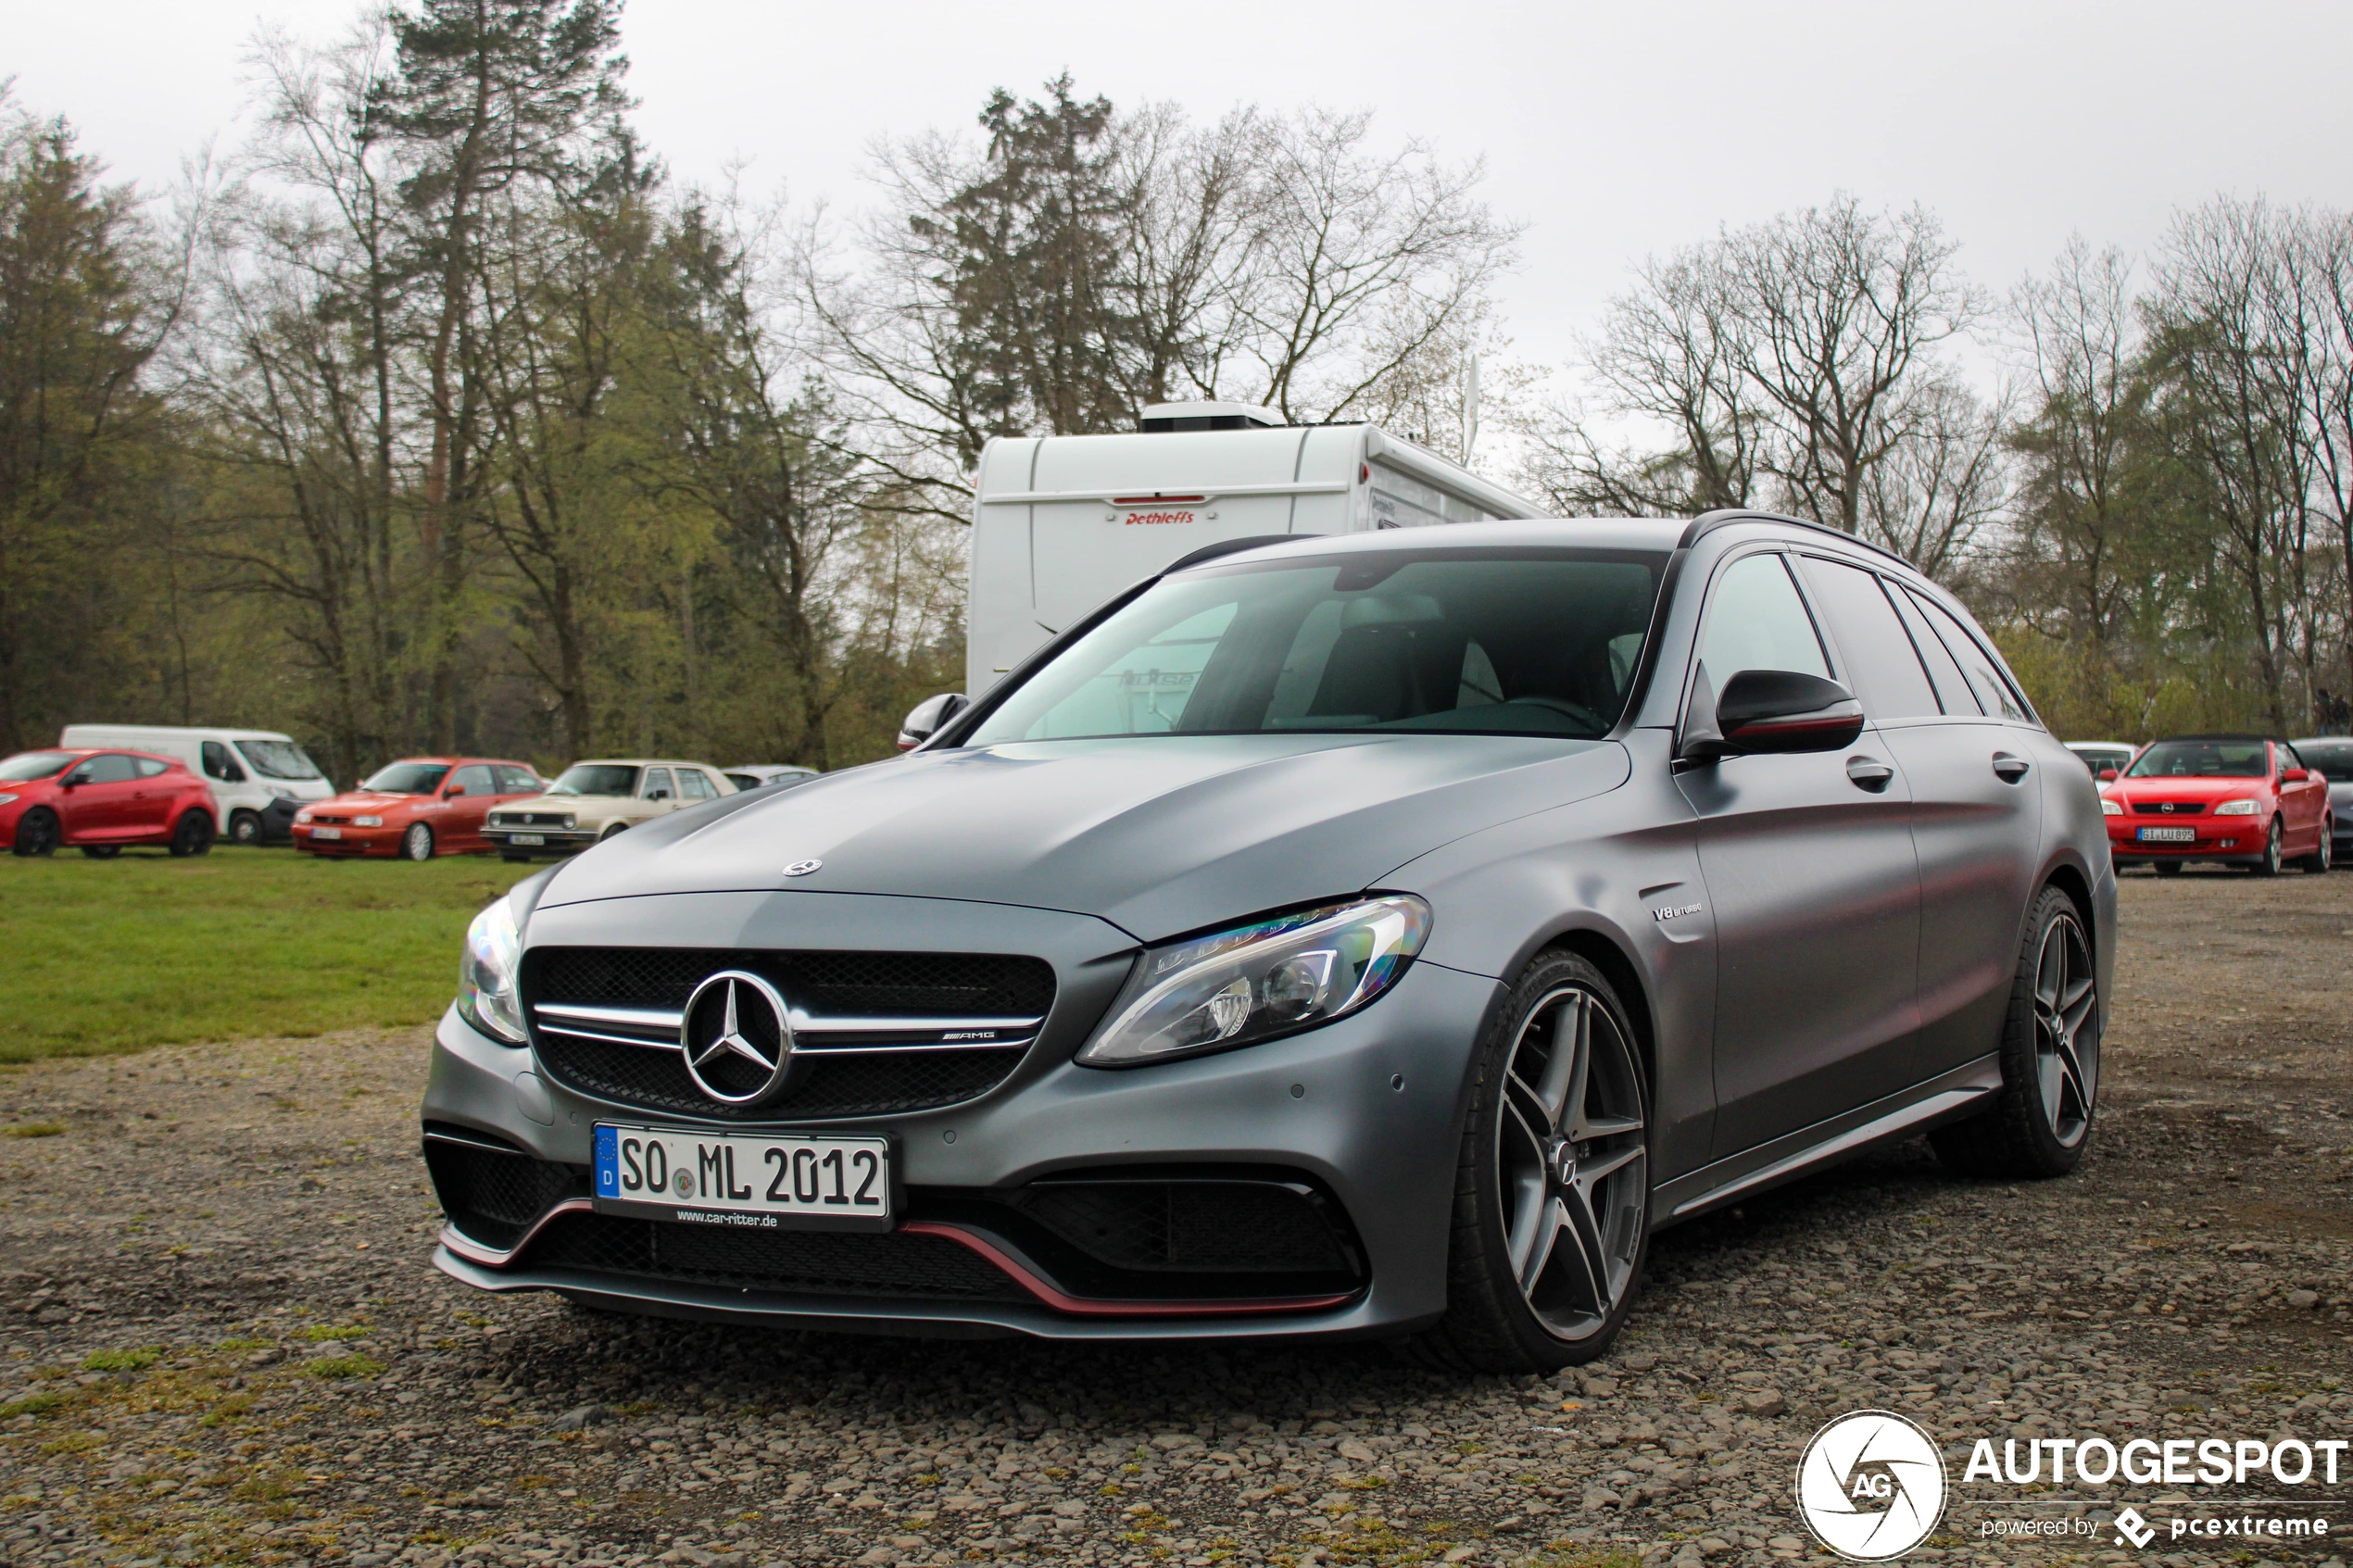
408 778
1538 642
278 759
597 778
25 766
2335 762
2203 760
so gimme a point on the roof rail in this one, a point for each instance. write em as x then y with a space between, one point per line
1709 523
1228 546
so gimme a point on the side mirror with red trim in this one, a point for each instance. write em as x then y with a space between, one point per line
1767 711
2295 775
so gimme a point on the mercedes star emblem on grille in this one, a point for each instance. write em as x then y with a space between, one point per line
737 1037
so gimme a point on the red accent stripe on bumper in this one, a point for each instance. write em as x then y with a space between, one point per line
1086 1307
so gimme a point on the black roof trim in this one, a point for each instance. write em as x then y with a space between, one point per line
1709 523
1228 546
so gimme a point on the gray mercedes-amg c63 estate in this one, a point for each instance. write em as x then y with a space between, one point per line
1375 936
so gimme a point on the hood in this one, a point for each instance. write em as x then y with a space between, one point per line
2188 787
1157 836
557 802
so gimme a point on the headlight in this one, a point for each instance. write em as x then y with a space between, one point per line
367 822
302 816
2110 809
2236 809
486 974
1258 981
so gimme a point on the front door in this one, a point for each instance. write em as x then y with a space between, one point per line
1810 870
96 805
1976 809
151 798
2303 804
467 799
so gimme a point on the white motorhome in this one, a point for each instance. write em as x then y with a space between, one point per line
260 778
1062 522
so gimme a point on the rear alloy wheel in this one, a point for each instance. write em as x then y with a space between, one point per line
244 828
417 843
1552 1205
2323 856
2270 865
37 832
2050 1056
101 851
193 834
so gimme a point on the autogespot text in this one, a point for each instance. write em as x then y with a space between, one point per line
2213 1461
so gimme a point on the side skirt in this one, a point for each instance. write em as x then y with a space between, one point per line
1946 1097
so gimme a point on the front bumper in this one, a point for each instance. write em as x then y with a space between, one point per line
2240 842
350 841
1364 1115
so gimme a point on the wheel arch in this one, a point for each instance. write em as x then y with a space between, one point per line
1602 950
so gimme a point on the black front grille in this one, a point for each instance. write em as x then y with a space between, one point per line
826 984
530 820
2169 808
1190 1227
806 1263
494 1195
876 1084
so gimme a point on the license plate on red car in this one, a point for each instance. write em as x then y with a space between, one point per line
326 832
2167 835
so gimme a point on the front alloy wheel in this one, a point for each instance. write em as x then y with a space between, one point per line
417 843
38 833
2041 1117
2270 865
1553 1201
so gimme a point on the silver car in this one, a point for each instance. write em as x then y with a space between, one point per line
1374 937
2331 755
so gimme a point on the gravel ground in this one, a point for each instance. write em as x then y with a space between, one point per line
222 1341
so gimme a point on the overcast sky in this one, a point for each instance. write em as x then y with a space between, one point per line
1613 130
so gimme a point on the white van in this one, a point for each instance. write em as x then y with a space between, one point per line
1062 522
260 778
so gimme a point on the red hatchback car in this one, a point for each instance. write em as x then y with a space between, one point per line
2244 799
98 801
416 808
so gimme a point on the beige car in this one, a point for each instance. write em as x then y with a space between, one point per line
594 800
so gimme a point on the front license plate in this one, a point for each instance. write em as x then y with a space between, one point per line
526 839
756 1182
326 832
2167 835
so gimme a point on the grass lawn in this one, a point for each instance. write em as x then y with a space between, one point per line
104 956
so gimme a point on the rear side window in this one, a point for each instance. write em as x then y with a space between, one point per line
148 767
1985 682
1756 620
1880 661
692 785
475 778
517 781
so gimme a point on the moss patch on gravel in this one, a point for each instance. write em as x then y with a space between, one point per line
108 956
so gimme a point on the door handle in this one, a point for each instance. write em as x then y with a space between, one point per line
2010 769
1869 773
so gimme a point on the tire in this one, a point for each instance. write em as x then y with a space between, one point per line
101 851
2050 1052
244 828
2270 865
1527 1181
193 833
613 832
38 833
417 843
2169 868
2323 856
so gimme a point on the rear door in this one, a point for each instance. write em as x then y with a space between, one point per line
1976 811
1809 869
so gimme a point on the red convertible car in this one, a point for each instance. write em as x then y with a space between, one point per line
416 808
2242 800
98 801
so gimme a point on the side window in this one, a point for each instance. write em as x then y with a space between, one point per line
475 780
113 768
692 785
517 781
218 764
1756 620
1985 682
1951 688
1880 662
658 787
148 767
